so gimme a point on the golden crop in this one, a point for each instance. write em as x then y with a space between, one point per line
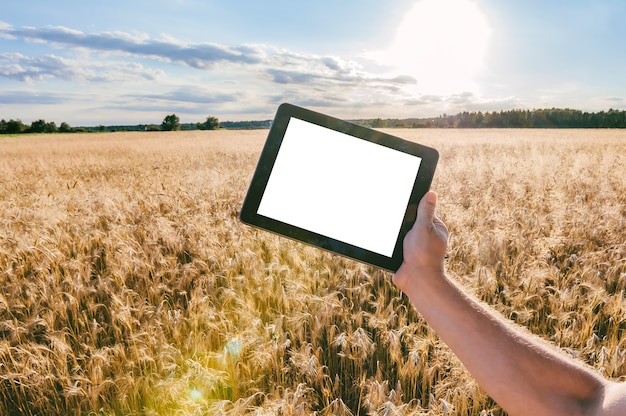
128 285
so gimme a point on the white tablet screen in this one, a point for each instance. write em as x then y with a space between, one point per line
340 186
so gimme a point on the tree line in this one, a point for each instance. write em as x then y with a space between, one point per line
170 122
540 118
39 126
543 118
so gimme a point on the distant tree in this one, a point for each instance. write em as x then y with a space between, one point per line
3 126
170 123
464 120
50 127
378 123
491 120
15 127
211 123
38 126
65 128
477 119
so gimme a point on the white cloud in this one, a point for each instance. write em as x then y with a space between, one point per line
30 69
198 55
282 66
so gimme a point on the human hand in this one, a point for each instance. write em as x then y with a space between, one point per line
424 246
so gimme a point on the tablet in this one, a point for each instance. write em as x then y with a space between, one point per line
338 186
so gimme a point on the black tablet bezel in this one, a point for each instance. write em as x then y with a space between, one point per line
285 112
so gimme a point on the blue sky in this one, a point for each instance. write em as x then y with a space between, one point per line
130 62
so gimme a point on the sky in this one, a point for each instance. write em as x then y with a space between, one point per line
134 62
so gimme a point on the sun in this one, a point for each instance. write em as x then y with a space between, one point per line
442 43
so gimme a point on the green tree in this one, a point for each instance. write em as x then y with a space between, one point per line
50 127
15 126
379 123
38 126
211 123
65 128
170 123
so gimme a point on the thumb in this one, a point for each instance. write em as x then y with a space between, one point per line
426 209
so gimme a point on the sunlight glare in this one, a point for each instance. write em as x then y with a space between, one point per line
442 43
195 395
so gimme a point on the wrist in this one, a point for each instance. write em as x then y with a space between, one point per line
411 279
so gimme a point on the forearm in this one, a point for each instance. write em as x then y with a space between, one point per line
520 372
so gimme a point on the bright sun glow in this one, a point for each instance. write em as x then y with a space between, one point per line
442 43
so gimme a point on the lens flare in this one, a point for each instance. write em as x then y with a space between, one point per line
195 395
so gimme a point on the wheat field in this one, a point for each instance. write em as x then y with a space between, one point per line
129 287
